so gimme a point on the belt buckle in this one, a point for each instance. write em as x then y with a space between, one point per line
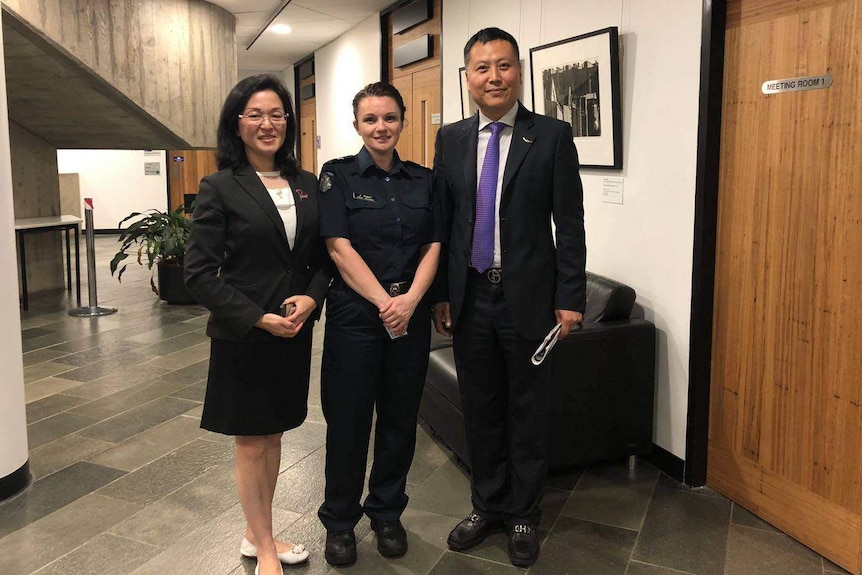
395 289
494 275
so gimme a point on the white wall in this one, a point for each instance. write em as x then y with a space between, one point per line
13 422
341 69
115 180
647 241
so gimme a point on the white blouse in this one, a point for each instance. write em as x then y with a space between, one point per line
284 201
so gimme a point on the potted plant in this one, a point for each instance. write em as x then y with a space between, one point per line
161 238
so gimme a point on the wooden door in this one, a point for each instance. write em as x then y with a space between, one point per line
187 167
404 84
307 121
308 134
421 94
426 108
785 433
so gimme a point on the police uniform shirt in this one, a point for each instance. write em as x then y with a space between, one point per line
387 216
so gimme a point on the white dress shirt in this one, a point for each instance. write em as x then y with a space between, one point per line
505 140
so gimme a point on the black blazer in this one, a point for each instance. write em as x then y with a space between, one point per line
239 264
540 180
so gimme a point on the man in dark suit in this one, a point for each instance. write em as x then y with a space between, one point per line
500 177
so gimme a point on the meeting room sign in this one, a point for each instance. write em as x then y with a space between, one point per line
797 84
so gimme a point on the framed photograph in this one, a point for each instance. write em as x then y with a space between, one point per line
578 80
468 106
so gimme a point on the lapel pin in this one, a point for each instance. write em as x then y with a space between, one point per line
526 139
302 196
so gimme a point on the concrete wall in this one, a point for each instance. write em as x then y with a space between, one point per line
36 193
176 59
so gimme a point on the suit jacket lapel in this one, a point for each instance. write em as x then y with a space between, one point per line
467 144
251 184
522 140
299 205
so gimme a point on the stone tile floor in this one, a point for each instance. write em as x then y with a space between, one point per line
126 482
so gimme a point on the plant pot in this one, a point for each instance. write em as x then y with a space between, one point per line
172 288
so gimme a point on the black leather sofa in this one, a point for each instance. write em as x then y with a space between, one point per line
603 383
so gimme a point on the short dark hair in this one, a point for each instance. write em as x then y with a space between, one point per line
486 35
230 151
379 90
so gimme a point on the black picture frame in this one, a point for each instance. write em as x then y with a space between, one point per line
578 80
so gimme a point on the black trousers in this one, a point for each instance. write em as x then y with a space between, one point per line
506 401
363 368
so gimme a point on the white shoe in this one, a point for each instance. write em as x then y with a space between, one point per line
257 570
297 554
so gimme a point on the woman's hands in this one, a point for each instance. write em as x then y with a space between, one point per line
397 311
288 326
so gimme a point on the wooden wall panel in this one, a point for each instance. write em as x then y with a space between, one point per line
420 86
174 58
185 177
433 27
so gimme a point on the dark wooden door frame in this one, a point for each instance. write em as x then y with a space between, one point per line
705 226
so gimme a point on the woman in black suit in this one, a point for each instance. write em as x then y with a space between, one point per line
256 260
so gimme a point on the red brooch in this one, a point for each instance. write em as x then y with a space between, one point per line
302 196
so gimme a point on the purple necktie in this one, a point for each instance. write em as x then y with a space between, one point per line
483 233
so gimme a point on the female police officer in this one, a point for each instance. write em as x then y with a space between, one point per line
377 217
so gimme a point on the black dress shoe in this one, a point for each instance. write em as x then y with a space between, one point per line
523 545
340 548
391 538
472 531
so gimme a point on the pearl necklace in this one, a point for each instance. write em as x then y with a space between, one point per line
282 201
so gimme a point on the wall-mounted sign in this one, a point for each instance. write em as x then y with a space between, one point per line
797 84
152 168
612 190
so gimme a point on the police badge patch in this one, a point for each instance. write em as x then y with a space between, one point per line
325 182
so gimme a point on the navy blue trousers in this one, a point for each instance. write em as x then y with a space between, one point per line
363 370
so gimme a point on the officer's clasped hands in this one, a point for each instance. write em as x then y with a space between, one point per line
396 313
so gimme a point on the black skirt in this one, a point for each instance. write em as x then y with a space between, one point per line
258 388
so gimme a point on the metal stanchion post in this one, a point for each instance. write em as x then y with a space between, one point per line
93 309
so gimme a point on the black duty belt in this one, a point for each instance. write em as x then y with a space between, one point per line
397 288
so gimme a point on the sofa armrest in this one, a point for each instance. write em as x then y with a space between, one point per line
603 381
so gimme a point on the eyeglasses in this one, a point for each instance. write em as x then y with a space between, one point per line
258 117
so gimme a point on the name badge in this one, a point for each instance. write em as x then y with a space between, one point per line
364 197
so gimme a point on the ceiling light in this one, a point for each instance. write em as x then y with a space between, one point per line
282 29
